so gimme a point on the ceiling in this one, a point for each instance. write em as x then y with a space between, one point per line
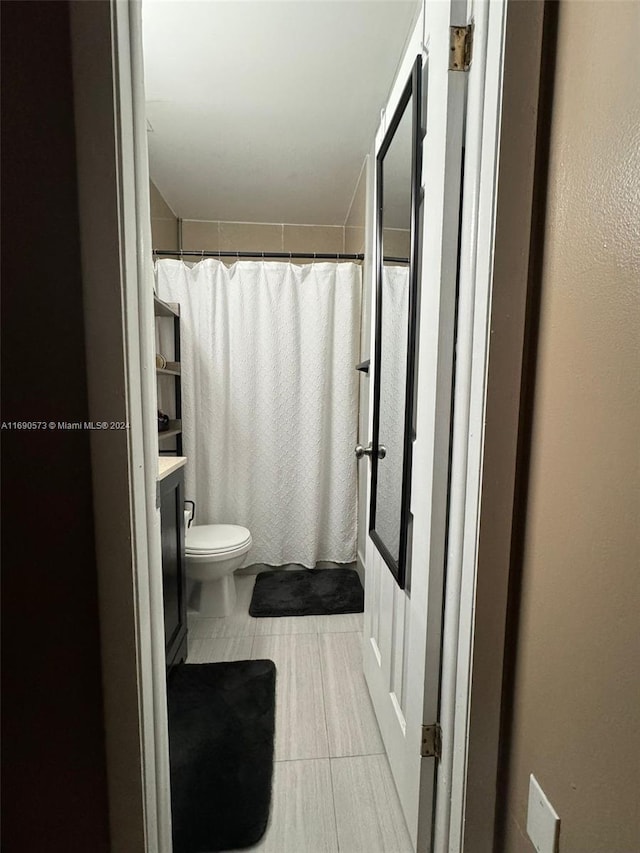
263 111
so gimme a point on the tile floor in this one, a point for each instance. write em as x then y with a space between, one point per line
332 787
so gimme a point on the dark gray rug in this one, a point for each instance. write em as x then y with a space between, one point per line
307 592
221 735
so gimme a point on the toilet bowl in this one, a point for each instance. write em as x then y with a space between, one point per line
213 552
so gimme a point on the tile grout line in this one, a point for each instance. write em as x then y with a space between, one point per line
322 686
356 755
326 725
333 799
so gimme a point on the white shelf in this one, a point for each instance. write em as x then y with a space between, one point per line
173 368
165 309
175 428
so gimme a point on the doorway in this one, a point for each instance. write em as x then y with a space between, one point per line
327 737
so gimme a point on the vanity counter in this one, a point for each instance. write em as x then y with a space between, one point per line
168 464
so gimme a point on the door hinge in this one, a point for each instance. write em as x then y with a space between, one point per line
460 48
158 498
431 746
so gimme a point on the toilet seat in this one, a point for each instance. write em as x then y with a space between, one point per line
217 540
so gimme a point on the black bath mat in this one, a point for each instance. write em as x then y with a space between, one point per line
221 735
307 592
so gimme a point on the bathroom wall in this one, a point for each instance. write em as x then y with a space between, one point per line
396 242
572 701
354 225
261 237
164 222
54 791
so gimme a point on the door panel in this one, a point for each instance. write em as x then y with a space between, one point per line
401 645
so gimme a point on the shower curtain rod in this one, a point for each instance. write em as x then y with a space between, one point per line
316 256
334 256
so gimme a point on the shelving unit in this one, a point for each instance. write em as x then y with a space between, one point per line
171 495
171 311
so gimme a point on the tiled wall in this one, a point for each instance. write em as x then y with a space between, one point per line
213 236
397 242
261 237
164 222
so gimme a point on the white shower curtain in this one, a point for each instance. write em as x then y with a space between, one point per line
270 401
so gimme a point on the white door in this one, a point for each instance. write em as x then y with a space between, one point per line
402 627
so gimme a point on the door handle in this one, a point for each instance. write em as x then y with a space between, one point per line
368 451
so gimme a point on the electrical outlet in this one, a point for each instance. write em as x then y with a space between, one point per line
543 823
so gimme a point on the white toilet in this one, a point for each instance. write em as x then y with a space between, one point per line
213 552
